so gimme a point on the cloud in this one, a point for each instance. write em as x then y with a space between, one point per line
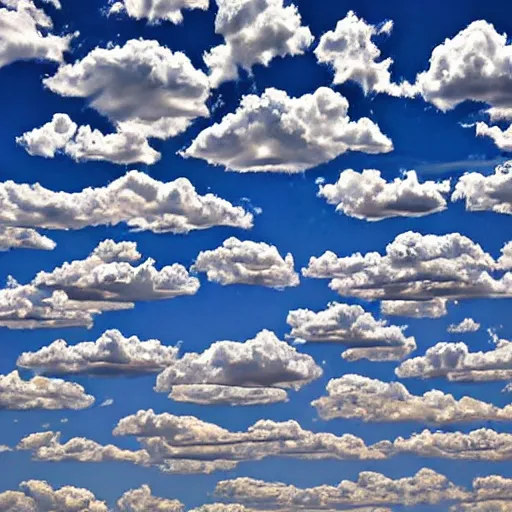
433 308
490 494
111 354
502 138
254 33
418 267
221 507
141 87
351 52
368 196
474 65
136 199
277 133
367 337
455 362
25 34
262 362
467 325
41 393
24 238
37 495
370 489
486 193
83 143
142 500
156 11
355 396
247 262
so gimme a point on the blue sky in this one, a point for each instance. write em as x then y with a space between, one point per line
287 214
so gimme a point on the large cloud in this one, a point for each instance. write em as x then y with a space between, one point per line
277 133
136 199
141 500
111 353
367 337
247 262
141 86
354 396
24 238
255 32
41 393
368 196
467 325
353 55
24 34
456 362
157 10
83 143
490 494
502 138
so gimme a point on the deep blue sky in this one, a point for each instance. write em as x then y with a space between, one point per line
293 219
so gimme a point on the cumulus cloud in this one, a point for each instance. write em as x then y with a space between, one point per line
456 362
141 87
502 138
247 262
355 396
111 353
367 337
467 325
83 143
418 267
136 199
433 308
25 34
277 133
41 393
156 11
354 56
490 494
254 32
486 193
142 500
24 238
368 196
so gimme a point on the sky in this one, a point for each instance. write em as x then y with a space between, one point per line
293 202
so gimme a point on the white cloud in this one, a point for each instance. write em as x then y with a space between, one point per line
277 133
502 138
142 500
41 393
107 403
467 325
455 362
247 262
353 55
368 196
111 354
141 87
355 396
24 238
156 11
255 32
221 507
486 193
83 143
367 337
136 199
433 308
25 34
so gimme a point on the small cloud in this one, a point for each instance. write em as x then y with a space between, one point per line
107 403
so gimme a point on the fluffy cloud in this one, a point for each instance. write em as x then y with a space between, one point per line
467 325
25 34
368 196
111 353
39 496
418 267
486 193
277 133
475 65
221 507
264 361
433 308
370 489
502 138
141 500
354 396
455 362
158 10
490 494
367 337
255 32
82 143
141 87
41 393
246 262
24 238
353 55
136 199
